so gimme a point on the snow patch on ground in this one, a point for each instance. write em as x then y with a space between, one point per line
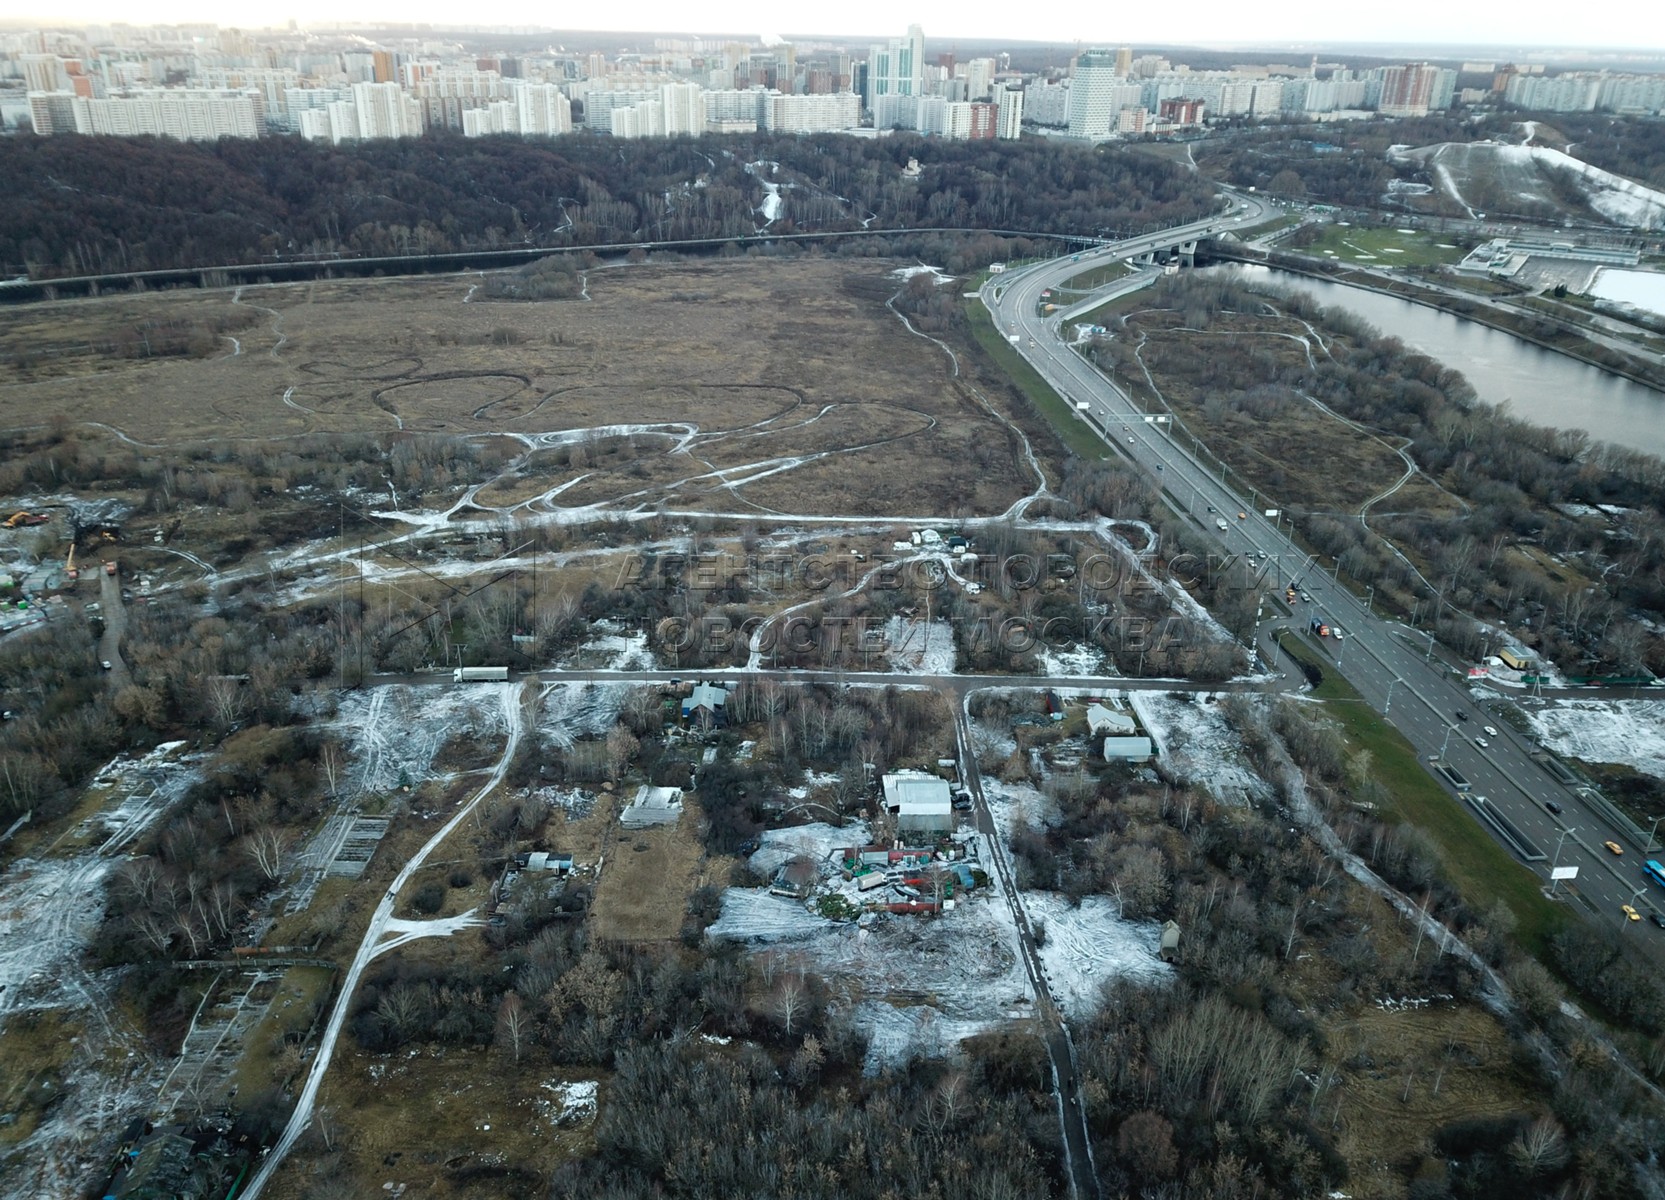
897 1034
574 1103
907 273
613 647
1013 805
912 983
1605 731
920 647
1073 660
49 909
753 915
1089 946
816 841
568 711
395 733
438 927
1201 748
577 803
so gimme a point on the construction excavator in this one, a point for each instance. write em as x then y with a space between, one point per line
25 518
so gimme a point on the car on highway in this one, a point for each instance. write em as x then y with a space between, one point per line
1614 847
1553 807
1481 742
1130 441
1306 597
1630 913
1657 919
1490 731
1461 715
104 665
1242 516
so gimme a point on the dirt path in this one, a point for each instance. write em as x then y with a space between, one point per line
115 629
380 922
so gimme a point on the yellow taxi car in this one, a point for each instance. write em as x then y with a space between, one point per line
1614 847
1630 912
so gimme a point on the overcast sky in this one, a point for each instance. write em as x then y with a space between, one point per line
1205 22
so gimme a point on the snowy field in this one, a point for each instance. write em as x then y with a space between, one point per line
612 647
1605 731
1199 745
397 731
1074 660
1015 804
571 710
1087 947
920 647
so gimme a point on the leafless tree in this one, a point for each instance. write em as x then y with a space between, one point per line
790 1002
265 848
513 1022
331 761
1541 1147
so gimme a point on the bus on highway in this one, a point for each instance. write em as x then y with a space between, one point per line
1654 871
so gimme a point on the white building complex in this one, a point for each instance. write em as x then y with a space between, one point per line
188 114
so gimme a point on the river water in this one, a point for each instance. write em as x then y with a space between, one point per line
1541 386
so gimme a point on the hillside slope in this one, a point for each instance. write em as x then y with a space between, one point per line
1535 181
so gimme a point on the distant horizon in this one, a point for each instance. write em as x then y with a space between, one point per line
1482 30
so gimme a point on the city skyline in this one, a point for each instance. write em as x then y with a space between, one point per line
1533 24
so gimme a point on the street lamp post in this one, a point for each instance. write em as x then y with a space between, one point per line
1624 917
1647 847
1554 883
1449 730
1388 707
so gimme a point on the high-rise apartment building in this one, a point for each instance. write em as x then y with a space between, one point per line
1009 112
897 68
1408 91
812 114
1093 97
188 114
385 111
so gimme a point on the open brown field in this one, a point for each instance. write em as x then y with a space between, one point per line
743 387
643 892
1403 1075
446 1122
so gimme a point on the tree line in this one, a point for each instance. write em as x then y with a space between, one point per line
85 205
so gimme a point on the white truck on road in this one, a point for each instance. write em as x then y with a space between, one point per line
480 675
1220 523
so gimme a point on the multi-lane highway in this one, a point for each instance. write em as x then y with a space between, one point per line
1387 663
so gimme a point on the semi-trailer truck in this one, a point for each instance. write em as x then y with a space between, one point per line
480 675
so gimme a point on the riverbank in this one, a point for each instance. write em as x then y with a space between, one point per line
1545 332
